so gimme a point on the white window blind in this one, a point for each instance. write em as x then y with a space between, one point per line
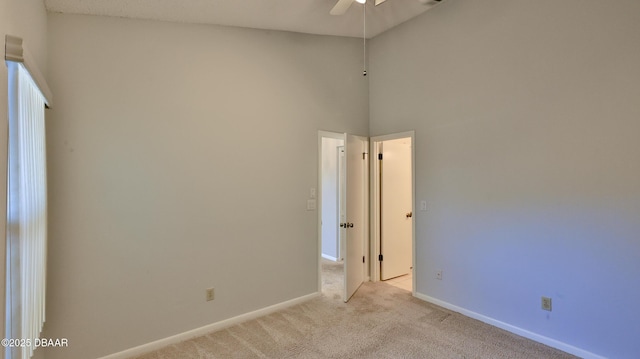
26 212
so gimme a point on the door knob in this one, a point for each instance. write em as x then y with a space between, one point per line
410 214
350 225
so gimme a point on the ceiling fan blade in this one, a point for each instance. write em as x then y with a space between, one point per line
378 2
341 7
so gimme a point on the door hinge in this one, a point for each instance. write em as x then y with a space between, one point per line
380 156
364 154
380 257
362 259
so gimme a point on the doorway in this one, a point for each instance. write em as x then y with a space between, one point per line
392 210
357 235
332 156
331 212
343 220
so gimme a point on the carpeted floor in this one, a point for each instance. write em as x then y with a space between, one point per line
380 321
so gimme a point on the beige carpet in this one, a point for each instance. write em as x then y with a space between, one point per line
380 321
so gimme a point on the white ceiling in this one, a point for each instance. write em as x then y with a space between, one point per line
306 16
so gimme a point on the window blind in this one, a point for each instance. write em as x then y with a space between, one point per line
26 212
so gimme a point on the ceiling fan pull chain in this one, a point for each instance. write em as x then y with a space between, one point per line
364 39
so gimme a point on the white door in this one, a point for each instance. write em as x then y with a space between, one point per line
355 223
395 209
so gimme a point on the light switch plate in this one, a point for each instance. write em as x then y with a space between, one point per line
312 193
423 205
311 205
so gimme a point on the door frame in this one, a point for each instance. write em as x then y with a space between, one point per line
374 203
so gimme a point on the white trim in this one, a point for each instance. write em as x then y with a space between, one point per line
394 136
329 134
512 328
326 256
158 344
374 211
16 52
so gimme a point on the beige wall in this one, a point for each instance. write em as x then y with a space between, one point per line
28 20
181 158
526 115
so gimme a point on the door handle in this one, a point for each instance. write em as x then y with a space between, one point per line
410 214
350 225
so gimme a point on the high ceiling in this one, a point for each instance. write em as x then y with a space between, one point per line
305 16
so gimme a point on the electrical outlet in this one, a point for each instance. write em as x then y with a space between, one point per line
546 303
209 293
439 274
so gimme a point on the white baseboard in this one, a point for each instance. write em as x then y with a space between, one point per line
511 328
326 256
158 344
